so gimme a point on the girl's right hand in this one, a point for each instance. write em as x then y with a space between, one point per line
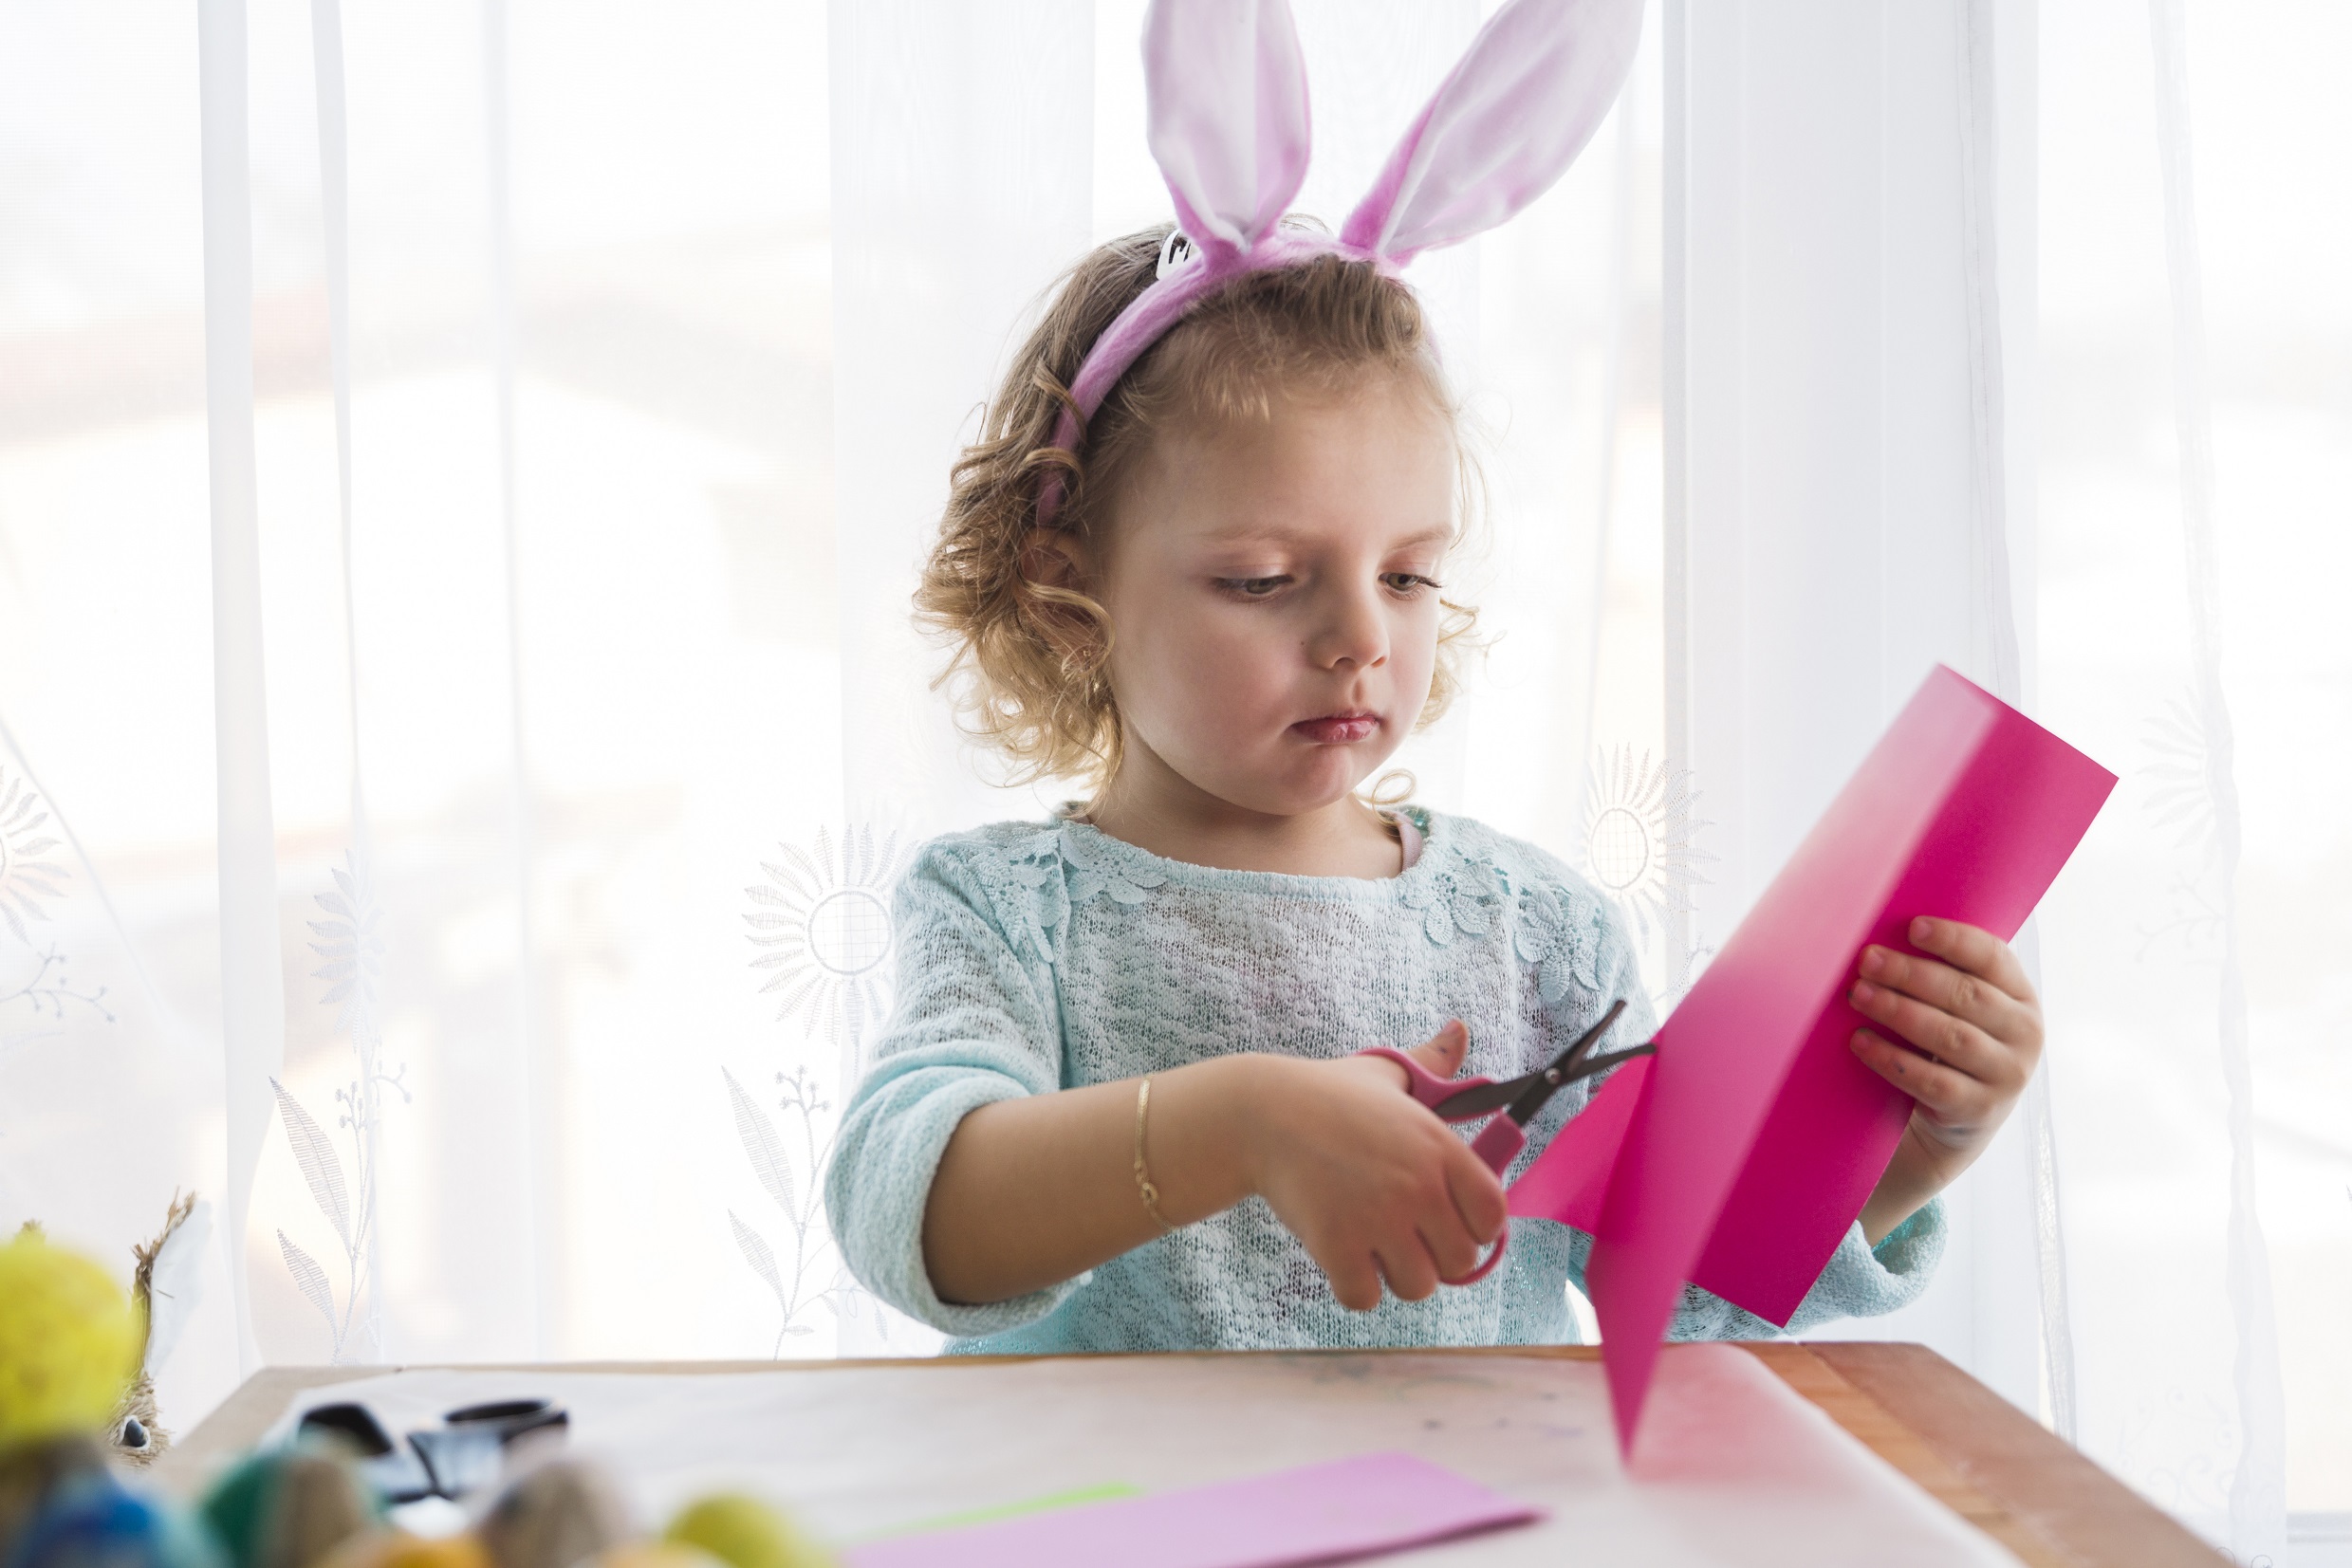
1373 1184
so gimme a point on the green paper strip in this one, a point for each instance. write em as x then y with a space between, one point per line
1102 1493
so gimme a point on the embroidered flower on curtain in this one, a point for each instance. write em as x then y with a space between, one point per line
823 923
1640 840
2177 793
2178 796
351 941
790 1168
825 919
25 879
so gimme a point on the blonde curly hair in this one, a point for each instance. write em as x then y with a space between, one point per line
1030 659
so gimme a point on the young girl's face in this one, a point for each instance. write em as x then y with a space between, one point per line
1273 591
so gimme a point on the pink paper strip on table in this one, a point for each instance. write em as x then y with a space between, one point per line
1349 1508
1740 1154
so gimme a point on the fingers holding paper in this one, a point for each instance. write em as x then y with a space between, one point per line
1969 1016
1958 1028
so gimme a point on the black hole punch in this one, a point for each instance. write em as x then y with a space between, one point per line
396 1470
510 1418
353 1423
502 1410
460 1459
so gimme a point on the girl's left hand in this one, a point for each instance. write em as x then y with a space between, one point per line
1976 1027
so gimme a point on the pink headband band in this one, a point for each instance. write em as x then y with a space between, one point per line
1226 93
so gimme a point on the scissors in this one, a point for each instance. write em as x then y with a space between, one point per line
452 1460
1521 1099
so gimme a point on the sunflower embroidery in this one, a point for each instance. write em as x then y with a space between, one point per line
825 916
25 879
1640 837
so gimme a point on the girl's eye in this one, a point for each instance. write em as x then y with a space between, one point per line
1251 587
1408 583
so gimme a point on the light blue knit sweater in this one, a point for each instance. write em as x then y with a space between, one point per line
1034 957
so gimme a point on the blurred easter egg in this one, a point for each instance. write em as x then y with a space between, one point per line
744 1532
290 1508
70 1341
91 1521
30 1472
653 1554
396 1549
555 1516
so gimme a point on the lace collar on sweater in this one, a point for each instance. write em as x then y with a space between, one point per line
1464 883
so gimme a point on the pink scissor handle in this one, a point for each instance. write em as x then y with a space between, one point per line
1422 1084
1497 1144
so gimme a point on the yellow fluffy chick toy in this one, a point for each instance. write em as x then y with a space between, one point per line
69 1342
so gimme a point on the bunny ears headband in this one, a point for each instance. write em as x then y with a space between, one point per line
1226 89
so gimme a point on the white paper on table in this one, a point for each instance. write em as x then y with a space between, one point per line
1734 1467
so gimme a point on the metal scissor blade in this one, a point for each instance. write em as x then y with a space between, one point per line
1480 1098
1564 1069
1592 1065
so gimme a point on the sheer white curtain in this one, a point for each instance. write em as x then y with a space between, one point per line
462 466
1843 508
1976 354
2197 432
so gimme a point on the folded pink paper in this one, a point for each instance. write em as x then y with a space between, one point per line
1739 1155
1349 1508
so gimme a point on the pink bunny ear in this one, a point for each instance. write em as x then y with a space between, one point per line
1507 122
1227 89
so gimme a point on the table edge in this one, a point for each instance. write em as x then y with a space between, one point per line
1962 1443
2041 1479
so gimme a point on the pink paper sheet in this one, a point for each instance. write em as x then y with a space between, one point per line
1739 1155
1357 1507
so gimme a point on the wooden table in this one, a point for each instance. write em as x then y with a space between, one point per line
1962 1443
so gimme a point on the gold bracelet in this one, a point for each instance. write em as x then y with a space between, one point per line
1143 1175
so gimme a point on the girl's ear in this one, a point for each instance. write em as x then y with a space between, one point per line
1055 559
1058 575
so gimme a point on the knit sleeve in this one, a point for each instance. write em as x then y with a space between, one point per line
974 1022
1861 1281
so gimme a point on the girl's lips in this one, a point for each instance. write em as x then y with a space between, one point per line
1338 728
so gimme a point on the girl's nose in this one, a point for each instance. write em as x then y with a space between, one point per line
1351 630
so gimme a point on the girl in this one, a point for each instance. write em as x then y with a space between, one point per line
1119 1104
